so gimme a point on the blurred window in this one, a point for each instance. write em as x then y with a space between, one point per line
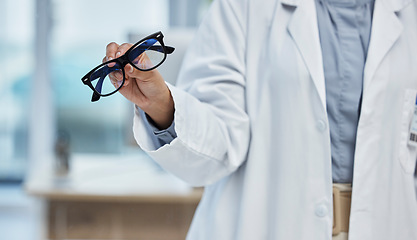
17 65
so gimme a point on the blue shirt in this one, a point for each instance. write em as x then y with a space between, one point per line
344 27
159 137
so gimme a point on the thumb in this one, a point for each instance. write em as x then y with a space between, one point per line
133 72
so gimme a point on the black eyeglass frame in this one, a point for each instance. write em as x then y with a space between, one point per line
123 61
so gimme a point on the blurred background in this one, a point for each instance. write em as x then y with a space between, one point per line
69 168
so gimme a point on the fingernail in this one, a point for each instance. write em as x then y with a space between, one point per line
109 58
118 54
130 69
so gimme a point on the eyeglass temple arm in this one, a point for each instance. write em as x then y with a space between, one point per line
140 49
98 87
169 49
95 97
102 73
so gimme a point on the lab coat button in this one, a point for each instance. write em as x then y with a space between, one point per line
321 125
321 210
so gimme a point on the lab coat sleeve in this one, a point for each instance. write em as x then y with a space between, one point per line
159 137
210 117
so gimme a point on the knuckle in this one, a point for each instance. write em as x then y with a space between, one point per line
111 47
124 47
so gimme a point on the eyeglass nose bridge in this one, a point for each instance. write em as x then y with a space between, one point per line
123 60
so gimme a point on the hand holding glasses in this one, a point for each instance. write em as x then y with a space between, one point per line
145 55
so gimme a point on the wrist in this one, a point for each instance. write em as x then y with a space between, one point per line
161 111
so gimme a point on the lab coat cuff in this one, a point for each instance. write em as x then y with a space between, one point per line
147 135
162 136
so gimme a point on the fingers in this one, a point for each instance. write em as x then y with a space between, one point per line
114 50
143 62
122 49
111 50
116 76
134 73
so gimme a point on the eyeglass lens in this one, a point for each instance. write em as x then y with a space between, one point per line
147 54
101 80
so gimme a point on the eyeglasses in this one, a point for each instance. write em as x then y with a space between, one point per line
145 55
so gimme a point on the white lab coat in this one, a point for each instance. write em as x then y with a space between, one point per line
250 114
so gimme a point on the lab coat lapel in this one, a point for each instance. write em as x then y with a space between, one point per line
304 31
386 29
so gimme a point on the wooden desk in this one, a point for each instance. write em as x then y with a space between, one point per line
87 209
